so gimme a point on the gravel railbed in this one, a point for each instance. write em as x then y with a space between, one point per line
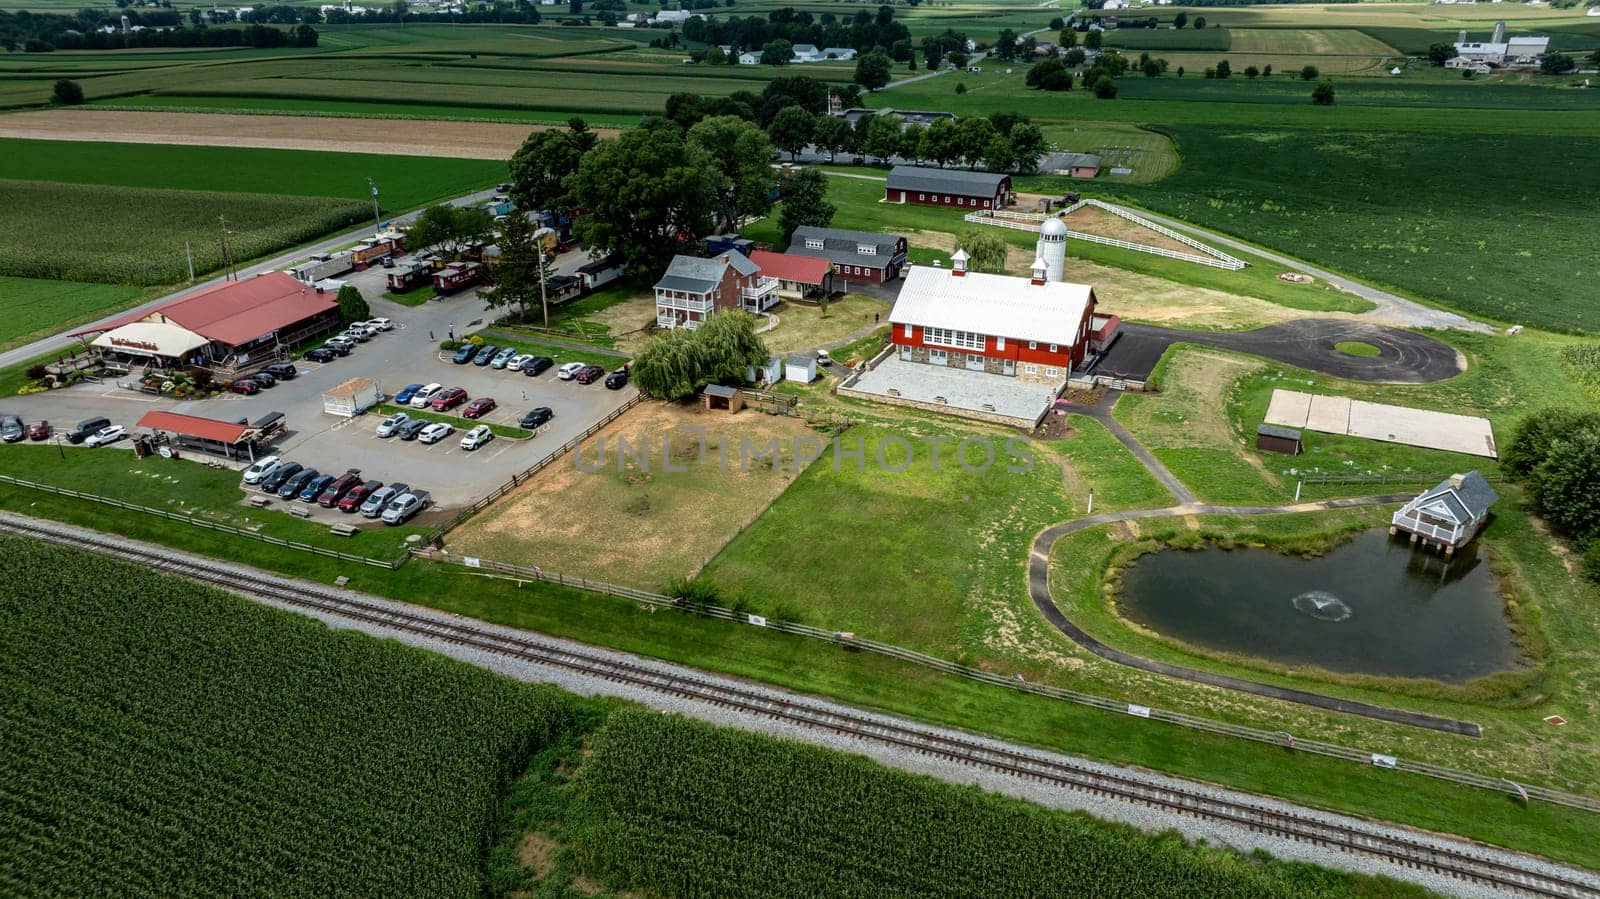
1049 795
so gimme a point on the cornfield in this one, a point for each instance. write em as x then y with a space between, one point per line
673 807
160 738
106 234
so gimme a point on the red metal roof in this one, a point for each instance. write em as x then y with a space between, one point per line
237 312
194 426
802 269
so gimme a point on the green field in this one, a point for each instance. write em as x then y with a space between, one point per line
165 738
36 307
753 816
357 109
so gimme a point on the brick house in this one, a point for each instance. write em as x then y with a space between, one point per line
856 255
1029 328
693 288
947 187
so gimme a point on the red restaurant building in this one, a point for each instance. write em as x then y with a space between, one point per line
1028 328
947 187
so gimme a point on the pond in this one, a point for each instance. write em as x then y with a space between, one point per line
1373 605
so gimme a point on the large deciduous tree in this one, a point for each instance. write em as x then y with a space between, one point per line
645 191
883 136
449 230
541 166
791 129
872 70
805 202
740 151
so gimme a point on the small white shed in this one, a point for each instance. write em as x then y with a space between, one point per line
351 398
769 372
800 367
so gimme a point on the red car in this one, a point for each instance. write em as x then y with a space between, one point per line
246 387
358 495
478 407
589 374
448 398
334 492
39 430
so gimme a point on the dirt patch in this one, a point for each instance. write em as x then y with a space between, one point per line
1147 298
627 320
403 137
537 852
1091 220
648 511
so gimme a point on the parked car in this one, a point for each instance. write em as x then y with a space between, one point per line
11 429
403 398
321 354
503 358
404 506
388 426
39 430
357 334
412 428
283 371
589 374
570 370
448 399
423 397
264 379
314 487
86 427
479 407
536 366
358 494
296 482
339 345
617 379
373 505
106 435
280 476
381 324
263 468
518 361
245 386
486 354
435 432
464 354
335 491
537 416
476 437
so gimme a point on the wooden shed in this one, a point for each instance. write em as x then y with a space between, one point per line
716 396
1275 439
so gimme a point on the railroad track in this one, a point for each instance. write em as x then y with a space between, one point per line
1435 856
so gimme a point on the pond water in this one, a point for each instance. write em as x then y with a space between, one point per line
1372 605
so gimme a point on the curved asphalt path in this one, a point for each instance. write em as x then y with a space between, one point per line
1404 357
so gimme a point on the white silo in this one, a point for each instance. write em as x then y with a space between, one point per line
1052 248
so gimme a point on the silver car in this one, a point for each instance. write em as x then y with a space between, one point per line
388 426
503 358
404 506
380 498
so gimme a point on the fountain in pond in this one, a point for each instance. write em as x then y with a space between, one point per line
1322 605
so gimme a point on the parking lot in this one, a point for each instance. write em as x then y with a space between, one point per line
408 354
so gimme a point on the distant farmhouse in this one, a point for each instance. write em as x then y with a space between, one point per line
1498 51
947 187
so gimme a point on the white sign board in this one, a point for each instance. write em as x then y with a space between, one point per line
1142 711
470 562
1384 761
757 620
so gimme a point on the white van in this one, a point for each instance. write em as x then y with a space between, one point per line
262 469
423 397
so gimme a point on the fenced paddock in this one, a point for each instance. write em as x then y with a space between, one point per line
1030 221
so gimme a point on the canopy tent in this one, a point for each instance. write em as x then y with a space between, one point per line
144 338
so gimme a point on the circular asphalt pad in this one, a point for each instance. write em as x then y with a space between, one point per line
1404 357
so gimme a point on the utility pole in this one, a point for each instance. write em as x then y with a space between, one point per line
544 302
377 216
188 253
228 273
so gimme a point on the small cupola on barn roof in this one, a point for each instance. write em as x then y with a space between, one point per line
958 263
1040 270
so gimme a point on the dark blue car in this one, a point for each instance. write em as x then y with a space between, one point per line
293 485
403 398
314 487
485 354
464 354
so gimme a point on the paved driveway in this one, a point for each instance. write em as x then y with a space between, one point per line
1405 357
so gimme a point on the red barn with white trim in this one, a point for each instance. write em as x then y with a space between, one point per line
947 187
1030 328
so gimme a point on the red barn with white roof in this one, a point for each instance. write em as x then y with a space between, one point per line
1030 328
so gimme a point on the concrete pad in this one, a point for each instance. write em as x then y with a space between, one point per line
1420 427
1329 414
1289 408
959 388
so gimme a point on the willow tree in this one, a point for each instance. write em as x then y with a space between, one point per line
668 366
729 346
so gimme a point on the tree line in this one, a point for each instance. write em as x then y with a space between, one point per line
861 32
1555 455
45 32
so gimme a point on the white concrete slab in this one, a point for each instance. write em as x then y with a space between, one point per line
1329 414
1289 408
1377 421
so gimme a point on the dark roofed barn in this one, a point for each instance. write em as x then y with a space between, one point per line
1275 439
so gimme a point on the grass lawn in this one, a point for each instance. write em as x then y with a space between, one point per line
1095 462
416 296
181 487
357 109
1150 154
823 555
863 348
614 316
802 327
614 515
1357 348
36 307
896 687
